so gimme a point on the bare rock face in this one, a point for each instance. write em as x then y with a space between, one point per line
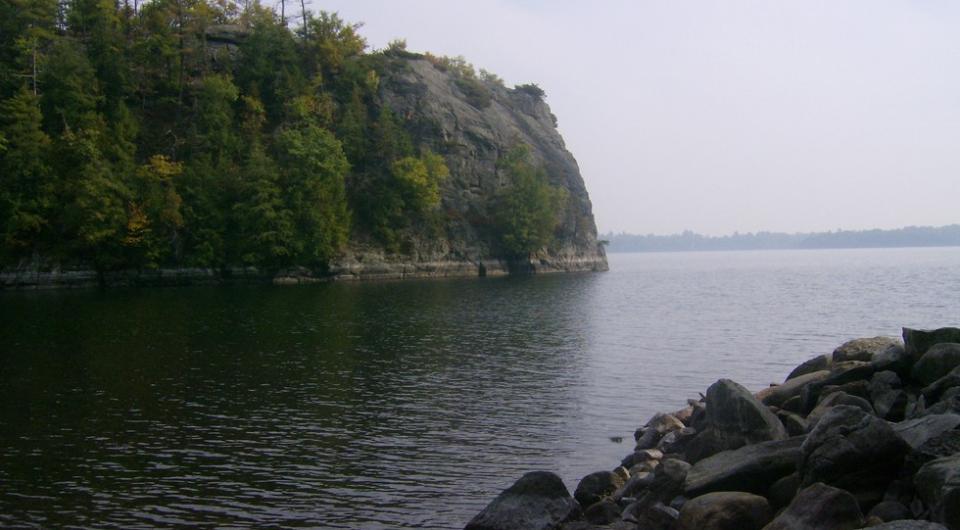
473 136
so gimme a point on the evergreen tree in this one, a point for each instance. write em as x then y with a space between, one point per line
27 193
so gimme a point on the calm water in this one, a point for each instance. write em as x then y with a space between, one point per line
411 404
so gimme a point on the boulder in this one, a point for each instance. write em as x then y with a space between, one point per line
819 507
854 450
834 400
660 424
916 342
820 362
752 468
934 391
602 513
840 374
895 359
656 517
778 394
794 423
917 431
676 442
637 484
597 486
863 349
784 490
668 481
734 418
949 404
938 485
643 455
889 401
725 510
944 444
890 511
859 388
938 361
538 500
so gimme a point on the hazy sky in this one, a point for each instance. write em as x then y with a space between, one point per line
722 116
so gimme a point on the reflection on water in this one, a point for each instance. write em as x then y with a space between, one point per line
384 405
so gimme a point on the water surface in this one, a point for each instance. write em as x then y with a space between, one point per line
402 404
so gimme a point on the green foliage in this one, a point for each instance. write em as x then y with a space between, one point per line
26 190
313 168
529 209
532 89
137 135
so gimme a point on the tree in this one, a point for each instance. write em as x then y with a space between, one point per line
418 180
528 209
153 212
267 235
313 168
27 194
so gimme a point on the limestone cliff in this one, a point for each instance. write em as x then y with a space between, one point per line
472 133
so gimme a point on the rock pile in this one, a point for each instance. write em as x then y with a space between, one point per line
866 437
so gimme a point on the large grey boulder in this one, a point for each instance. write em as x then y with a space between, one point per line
538 501
934 391
916 342
725 510
894 358
854 450
944 444
734 418
596 486
833 400
776 395
820 362
840 374
863 349
938 484
819 507
751 468
937 362
917 431
668 481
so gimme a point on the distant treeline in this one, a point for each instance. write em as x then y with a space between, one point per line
911 236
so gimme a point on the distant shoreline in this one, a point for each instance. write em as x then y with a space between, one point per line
614 251
909 237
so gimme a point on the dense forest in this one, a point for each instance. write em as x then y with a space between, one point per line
912 236
208 133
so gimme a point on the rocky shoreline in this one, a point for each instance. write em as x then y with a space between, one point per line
867 437
374 267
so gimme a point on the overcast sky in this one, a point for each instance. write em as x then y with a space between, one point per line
723 116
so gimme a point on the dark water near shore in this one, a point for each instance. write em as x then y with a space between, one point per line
410 404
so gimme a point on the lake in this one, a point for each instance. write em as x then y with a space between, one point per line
402 404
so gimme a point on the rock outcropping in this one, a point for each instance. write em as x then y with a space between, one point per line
473 136
854 465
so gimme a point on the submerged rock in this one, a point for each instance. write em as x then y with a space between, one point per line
539 500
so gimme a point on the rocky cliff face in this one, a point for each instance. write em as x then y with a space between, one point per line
473 133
